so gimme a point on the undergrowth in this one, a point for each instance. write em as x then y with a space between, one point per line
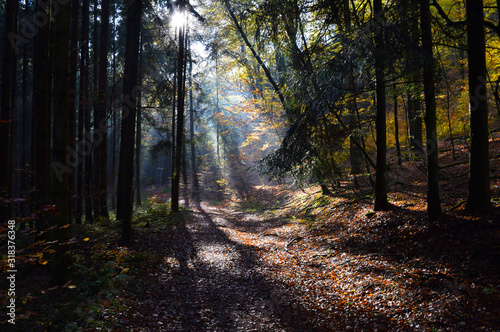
103 270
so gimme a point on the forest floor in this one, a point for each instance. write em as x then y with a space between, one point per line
284 260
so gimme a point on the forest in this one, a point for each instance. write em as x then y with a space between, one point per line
264 165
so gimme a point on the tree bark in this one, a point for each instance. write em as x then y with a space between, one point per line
125 193
396 124
73 67
433 200
381 202
479 180
194 169
181 61
60 134
138 140
100 119
11 9
42 94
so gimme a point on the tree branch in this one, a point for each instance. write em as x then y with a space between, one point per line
256 56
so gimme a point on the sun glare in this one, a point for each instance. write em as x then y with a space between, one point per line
178 19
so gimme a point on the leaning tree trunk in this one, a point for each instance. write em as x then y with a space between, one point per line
479 181
433 200
125 194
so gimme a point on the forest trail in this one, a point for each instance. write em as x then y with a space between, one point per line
250 266
214 276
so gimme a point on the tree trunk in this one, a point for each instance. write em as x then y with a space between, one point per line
180 115
101 119
433 200
114 121
60 133
125 195
194 169
138 140
73 67
479 181
83 149
415 125
11 9
89 169
381 202
396 124
42 94
26 160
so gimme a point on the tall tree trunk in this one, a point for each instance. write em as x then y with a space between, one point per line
26 160
60 133
73 67
114 121
88 172
194 169
180 115
174 119
138 141
8 85
42 94
381 202
479 181
83 148
125 195
101 119
433 200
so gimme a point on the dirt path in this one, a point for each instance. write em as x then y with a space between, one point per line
212 277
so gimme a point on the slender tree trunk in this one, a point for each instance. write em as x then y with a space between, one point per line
396 124
381 202
479 181
8 85
114 122
26 160
180 115
42 95
256 56
73 67
415 125
88 173
60 133
174 119
125 195
194 169
83 147
138 140
101 118
433 200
